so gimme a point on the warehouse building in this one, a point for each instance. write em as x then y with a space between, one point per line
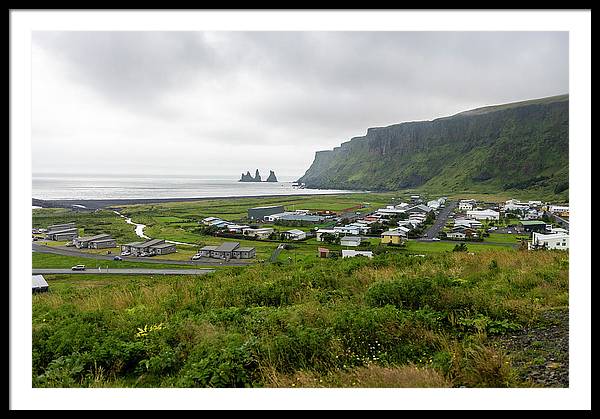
259 213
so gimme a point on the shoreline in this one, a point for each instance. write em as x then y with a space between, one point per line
93 204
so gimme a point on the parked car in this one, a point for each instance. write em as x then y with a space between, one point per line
117 258
196 257
78 268
125 253
435 239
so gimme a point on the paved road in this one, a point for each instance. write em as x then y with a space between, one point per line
440 221
201 262
561 221
114 271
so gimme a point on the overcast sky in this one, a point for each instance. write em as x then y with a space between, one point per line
219 103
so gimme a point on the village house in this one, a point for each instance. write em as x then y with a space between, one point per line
62 235
461 232
208 220
354 253
294 234
352 241
483 214
259 233
149 248
393 237
549 241
466 204
60 232
467 222
84 242
347 230
236 228
420 209
560 210
228 250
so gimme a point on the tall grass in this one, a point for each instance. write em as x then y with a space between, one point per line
394 320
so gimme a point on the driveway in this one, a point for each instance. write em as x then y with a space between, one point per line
119 271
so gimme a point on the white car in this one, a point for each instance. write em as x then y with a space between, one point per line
78 268
125 253
435 239
196 257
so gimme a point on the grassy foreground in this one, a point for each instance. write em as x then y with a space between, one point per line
393 321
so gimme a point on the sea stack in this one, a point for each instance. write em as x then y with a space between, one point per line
272 177
257 177
246 178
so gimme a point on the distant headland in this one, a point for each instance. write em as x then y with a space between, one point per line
248 177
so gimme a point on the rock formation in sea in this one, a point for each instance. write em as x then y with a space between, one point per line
272 177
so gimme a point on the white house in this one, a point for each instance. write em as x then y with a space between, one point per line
295 234
466 204
353 253
208 220
236 228
549 241
350 241
353 230
483 214
467 222
260 233
561 210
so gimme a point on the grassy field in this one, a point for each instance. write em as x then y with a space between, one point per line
413 246
393 321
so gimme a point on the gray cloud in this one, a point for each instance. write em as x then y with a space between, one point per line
307 90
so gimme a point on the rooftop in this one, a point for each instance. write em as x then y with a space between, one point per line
96 237
533 223
163 245
227 247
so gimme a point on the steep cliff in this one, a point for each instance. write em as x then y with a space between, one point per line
522 145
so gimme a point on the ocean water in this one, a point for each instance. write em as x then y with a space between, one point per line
54 187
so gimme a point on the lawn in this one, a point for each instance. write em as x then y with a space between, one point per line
48 260
413 246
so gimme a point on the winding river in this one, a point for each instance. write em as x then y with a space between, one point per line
139 230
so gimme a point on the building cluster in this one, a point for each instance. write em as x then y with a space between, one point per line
227 250
414 215
543 234
153 247
70 232
61 232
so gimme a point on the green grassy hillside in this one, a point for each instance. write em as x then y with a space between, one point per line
513 147
394 321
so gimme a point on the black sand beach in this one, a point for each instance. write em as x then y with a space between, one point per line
93 204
